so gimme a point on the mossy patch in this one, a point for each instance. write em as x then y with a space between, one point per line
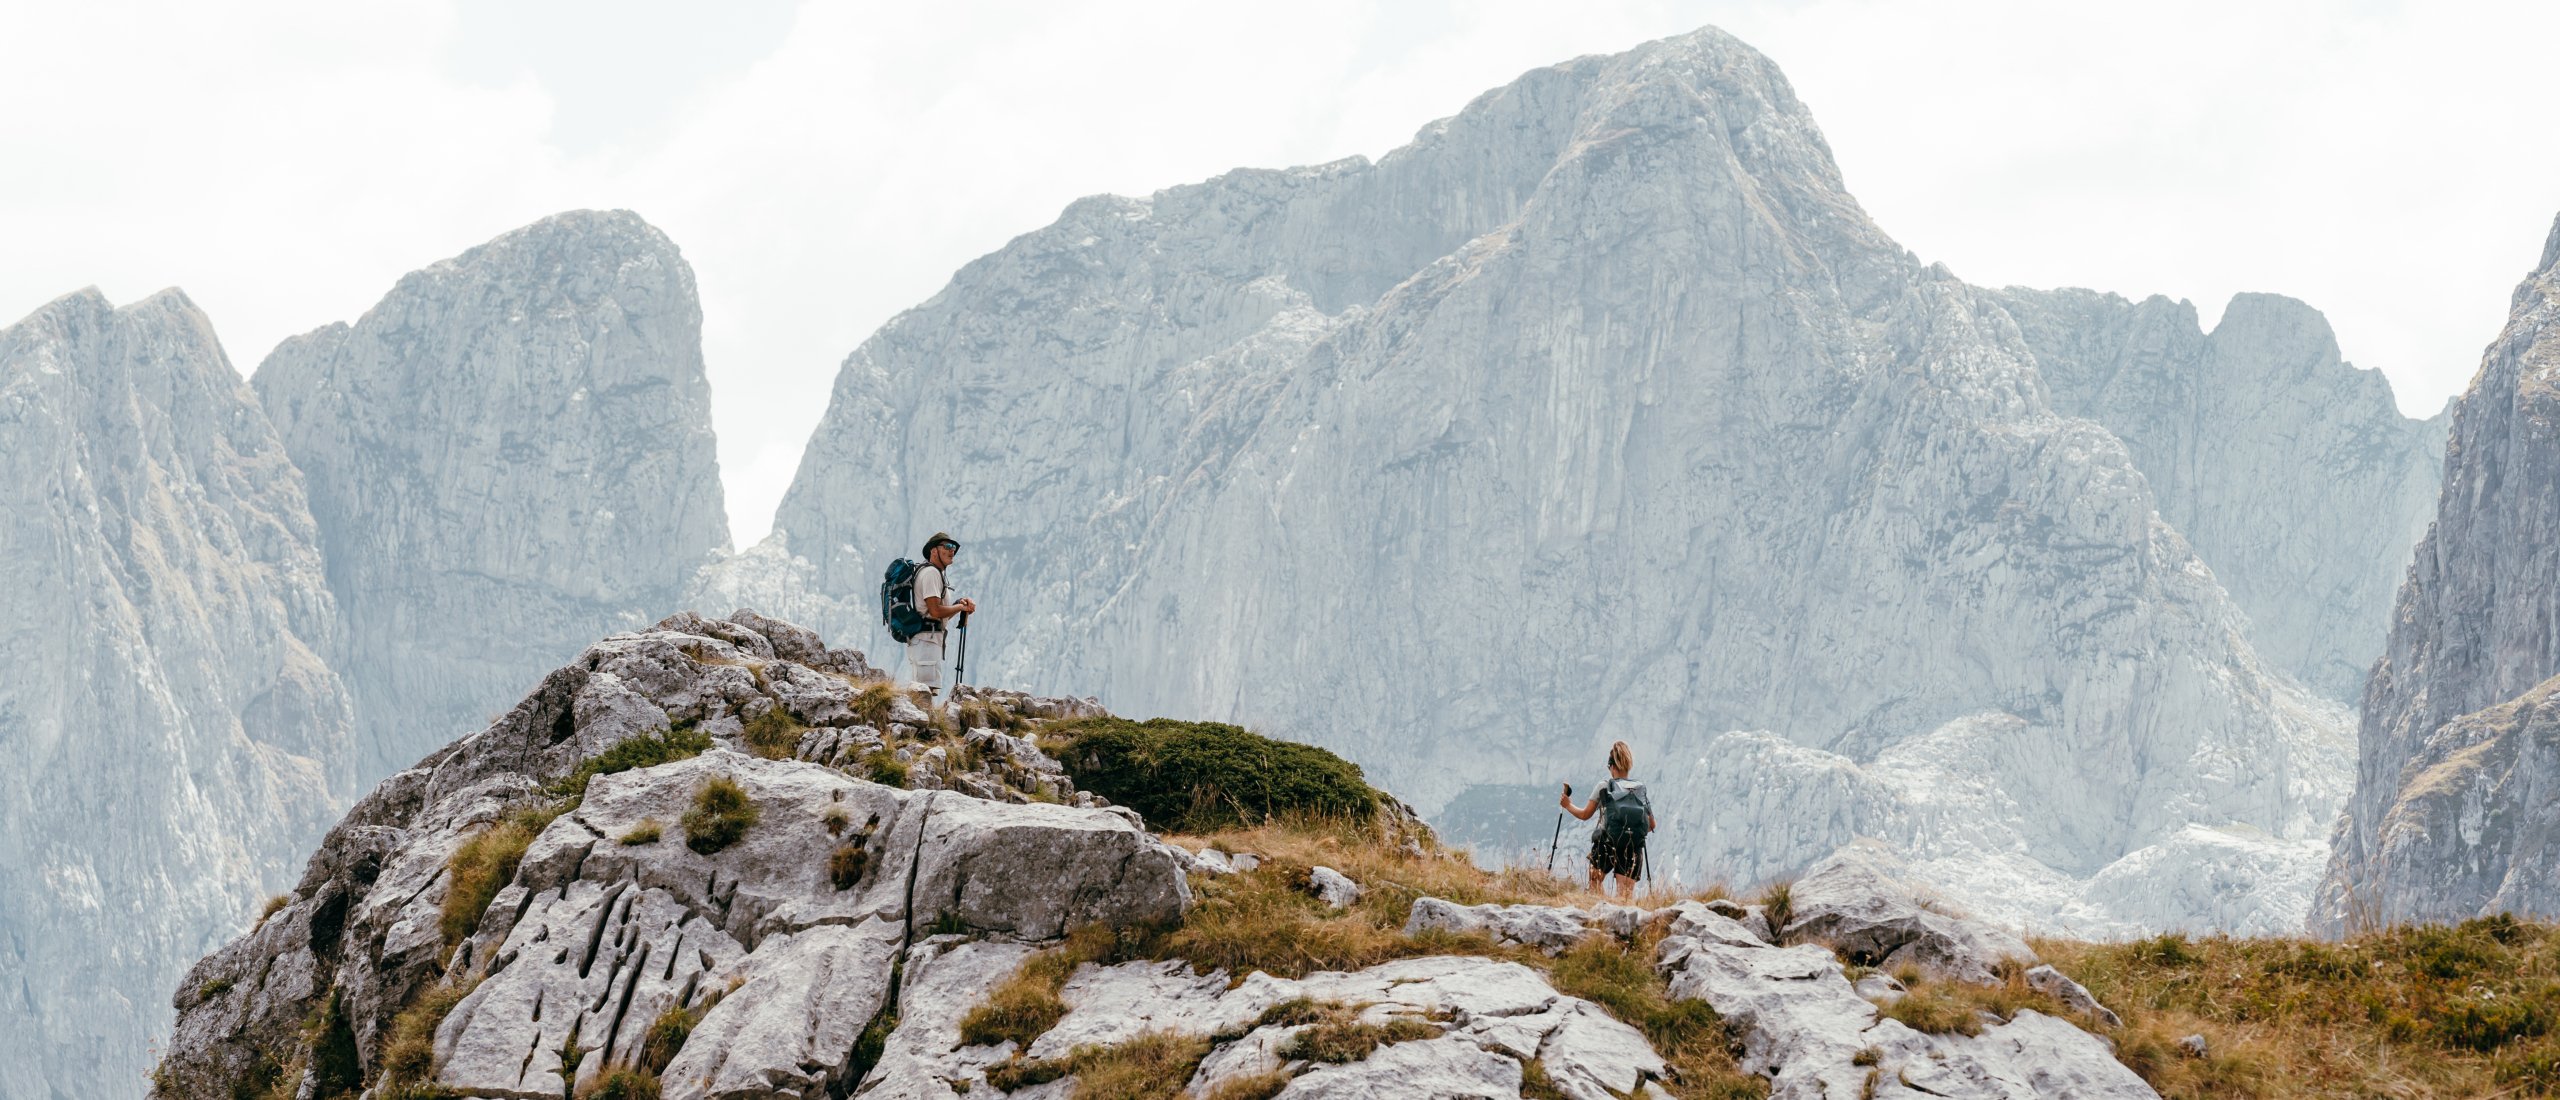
1200 776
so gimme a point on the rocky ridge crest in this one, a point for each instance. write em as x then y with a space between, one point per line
835 946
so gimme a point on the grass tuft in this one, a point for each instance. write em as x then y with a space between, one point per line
646 832
1349 1040
646 750
845 865
1026 1005
773 735
720 815
1259 1086
1778 907
1152 1066
622 1083
873 702
273 906
409 1055
885 768
483 865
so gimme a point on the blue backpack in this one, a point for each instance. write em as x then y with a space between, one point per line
898 610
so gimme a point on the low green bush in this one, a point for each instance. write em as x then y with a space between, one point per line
1193 777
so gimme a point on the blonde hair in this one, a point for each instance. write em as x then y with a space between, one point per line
1621 757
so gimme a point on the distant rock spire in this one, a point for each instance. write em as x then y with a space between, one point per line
508 456
175 738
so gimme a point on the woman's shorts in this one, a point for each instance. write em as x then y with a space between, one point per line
1618 855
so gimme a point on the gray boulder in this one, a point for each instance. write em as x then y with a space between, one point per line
1852 901
1332 887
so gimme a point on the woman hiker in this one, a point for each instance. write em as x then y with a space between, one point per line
1626 818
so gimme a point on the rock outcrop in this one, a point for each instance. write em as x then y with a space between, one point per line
770 923
520 435
2456 810
1598 411
2291 472
783 937
175 737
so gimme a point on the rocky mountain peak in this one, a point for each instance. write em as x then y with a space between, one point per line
1601 411
519 434
676 867
176 737
2455 763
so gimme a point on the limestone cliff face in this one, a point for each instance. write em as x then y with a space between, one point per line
2457 801
1601 410
2292 473
175 737
508 457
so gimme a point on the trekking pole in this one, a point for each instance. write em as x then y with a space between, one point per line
1559 835
960 664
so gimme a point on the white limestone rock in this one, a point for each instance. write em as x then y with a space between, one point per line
2073 995
1852 902
1609 354
1805 1028
1443 1069
1332 887
519 435
794 927
176 736
944 977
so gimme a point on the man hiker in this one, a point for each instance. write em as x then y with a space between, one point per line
1626 818
933 597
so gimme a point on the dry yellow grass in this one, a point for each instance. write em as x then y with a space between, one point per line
2422 1013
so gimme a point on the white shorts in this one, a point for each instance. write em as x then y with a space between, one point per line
924 657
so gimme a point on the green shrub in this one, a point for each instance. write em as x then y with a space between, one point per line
721 814
646 750
1191 777
773 734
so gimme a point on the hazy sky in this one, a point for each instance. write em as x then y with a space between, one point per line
824 165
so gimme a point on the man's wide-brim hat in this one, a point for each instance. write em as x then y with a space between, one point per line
940 539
